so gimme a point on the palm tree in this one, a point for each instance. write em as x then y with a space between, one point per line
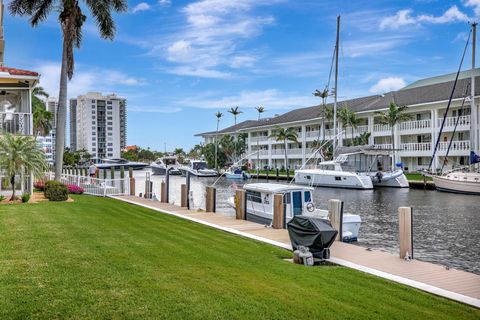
38 92
20 154
285 135
219 115
235 112
42 121
348 118
71 21
260 110
362 139
326 112
391 117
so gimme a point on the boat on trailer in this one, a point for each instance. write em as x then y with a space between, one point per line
297 200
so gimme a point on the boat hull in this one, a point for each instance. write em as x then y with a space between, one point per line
454 186
158 170
324 178
199 173
392 180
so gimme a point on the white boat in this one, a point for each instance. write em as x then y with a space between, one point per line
117 163
331 174
198 168
458 182
161 165
236 172
298 201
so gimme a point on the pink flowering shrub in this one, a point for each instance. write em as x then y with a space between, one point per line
39 185
73 189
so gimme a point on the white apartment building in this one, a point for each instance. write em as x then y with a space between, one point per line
98 124
415 140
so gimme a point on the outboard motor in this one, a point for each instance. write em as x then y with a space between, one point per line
314 233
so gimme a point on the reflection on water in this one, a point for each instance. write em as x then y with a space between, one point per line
445 226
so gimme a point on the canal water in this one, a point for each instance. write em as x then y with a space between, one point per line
446 226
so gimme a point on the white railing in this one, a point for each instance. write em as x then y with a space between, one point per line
16 123
414 147
294 151
384 146
456 146
451 121
415 125
95 186
278 152
381 127
260 139
357 131
261 152
313 134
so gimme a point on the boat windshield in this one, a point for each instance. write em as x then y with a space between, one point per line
199 165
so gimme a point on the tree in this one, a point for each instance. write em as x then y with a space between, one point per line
324 147
219 115
42 121
260 110
235 112
391 117
348 118
20 154
208 152
285 135
326 112
71 21
38 92
362 139
227 147
196 152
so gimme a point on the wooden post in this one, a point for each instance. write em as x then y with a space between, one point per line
163 194
112 173
132 186
122 181
105 174
278 212
210 199
130 172
405 234
335 215
183 196
276 174
240 209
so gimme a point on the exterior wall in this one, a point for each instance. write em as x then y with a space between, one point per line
98 124
414 140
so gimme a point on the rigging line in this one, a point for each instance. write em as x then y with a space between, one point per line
331 69
449 102
455 128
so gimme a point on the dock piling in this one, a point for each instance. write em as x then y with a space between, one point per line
163 194
211 199
278 212
405 234
335 215
240 205
277 174
183 196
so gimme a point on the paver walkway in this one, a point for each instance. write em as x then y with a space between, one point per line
450 283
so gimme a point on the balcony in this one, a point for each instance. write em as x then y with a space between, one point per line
357 131
276 152
463 123
417 126
313 134
15 123
381 128
416 147
297 151
384 146
461 147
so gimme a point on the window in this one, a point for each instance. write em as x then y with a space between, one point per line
286 198
109 107
109 112
110 144
94 133
109 123
93 122
94 149
254 196
338 178
109 102
110 134
94 144
110 149
93 128
93 101
307 196
109 128
109 118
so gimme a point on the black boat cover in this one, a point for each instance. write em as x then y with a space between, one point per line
315 233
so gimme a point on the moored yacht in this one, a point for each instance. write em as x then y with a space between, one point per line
236 172
118 163
161 165
458 181
198 168
298 200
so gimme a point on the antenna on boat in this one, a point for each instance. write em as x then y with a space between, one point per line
336 88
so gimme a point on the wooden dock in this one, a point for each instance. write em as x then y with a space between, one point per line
449 283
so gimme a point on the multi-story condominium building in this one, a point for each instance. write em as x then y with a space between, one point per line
47 143
414 140
98 124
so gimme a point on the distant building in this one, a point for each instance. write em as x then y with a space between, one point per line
98 124
47 143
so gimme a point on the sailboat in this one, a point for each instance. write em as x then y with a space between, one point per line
464 180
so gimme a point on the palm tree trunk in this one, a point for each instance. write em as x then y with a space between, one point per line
61 115
216 147
393 147
12 182
286 157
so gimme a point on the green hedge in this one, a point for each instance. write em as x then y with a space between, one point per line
56 191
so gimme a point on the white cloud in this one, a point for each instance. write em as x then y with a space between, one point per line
405 18
84 79
164 2
475 4
373 46
142 6
270 98
154 109
209 44
388 84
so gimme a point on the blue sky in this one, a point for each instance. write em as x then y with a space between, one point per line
178 62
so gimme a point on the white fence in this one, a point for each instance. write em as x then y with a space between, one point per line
95 186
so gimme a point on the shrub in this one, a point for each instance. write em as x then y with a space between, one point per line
25 197
39 185
73 189
2 197
56 191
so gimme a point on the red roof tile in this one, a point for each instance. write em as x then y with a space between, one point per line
18 72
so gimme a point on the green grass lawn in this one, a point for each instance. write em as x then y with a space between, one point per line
101 258
416 177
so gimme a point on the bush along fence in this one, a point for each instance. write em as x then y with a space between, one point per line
78 183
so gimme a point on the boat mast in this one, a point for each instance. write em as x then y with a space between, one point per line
336 89
473 107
